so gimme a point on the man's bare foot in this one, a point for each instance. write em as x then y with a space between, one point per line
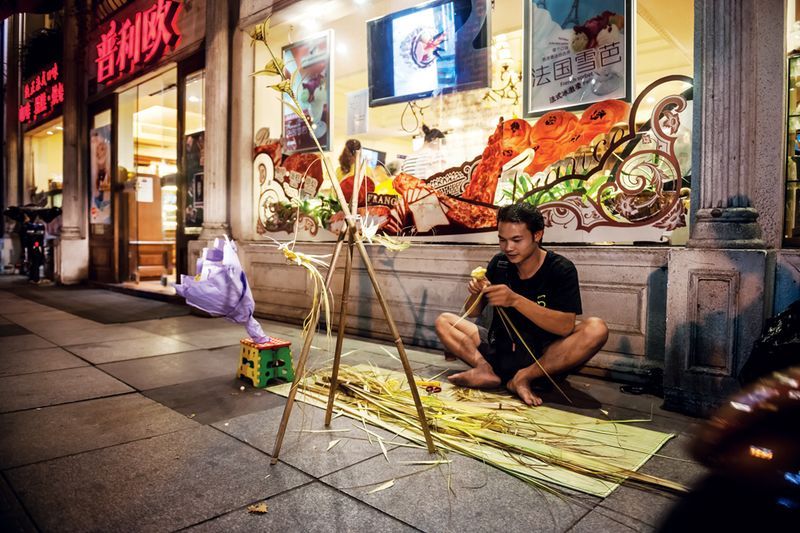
480 377
522 388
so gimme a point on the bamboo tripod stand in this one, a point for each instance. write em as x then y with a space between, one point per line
354 240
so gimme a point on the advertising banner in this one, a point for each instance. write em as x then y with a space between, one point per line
309 62
576 54
100 169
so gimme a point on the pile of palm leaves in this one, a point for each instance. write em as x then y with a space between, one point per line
541 446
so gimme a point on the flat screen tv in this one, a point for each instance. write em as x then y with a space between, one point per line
438 47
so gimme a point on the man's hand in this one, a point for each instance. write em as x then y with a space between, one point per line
476 285
501 295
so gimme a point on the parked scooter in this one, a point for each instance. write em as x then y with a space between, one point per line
31 229
751 444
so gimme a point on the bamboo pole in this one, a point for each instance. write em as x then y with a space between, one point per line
337 357
401 350
301 361
298 376
351 226
332 265
351 236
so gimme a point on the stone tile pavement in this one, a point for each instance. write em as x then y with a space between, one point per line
142 426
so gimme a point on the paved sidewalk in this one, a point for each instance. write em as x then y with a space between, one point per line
141 426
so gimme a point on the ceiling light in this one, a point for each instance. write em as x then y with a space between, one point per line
49 132
194 99
59 128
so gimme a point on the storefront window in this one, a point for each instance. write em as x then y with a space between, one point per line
194 151
423 89
43 164
147 164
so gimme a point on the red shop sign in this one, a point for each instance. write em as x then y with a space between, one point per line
138 40
40 95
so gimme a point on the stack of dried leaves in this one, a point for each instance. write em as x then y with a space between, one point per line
541 446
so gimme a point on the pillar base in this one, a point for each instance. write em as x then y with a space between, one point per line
212 230
74 257
715 309
732 227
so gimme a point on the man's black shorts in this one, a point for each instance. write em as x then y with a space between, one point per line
508 363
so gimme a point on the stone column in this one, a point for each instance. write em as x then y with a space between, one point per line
215 179
11 247
242 216
724 45
12 128
719 287
74 254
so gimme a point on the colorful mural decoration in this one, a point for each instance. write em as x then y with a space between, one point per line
598 177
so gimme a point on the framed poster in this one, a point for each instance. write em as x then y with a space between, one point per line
193 163
312 61
100 167
577 52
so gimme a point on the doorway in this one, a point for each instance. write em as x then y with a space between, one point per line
147 158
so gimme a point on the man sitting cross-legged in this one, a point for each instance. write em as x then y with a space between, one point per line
538 290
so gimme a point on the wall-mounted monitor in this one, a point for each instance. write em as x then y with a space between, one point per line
434 48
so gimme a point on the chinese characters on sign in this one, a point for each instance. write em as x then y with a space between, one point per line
137 41
41 94
576 56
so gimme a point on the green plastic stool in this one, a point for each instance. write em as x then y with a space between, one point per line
261 363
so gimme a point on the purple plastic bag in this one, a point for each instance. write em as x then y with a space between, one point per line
221 289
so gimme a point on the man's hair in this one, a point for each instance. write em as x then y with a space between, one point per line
523 213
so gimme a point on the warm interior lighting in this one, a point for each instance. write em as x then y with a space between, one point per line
761 453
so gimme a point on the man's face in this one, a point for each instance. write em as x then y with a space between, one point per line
517 241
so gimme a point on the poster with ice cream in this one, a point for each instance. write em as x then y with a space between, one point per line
577 52
100 168
311 60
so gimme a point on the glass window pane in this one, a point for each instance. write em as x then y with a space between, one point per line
147 134
194 143
194 106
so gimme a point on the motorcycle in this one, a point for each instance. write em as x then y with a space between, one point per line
31 229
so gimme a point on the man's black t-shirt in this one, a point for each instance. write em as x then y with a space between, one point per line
554 286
